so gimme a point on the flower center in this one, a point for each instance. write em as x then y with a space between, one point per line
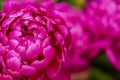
26 32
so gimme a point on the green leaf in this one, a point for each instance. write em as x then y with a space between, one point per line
96 74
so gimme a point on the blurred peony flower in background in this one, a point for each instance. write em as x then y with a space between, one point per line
34 39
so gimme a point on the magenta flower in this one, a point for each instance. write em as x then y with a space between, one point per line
34 41
90 30
84 42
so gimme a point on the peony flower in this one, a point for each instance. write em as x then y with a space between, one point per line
84 42
34 41
89 30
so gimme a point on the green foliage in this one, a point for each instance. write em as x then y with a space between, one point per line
102 69
1 4
78 3
57 0
97 74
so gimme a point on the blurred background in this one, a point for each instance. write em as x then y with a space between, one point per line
101 69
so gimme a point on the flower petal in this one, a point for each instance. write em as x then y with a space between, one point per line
53 68
13 61
27 70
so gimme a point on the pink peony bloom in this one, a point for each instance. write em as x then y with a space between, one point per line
84 42
34 41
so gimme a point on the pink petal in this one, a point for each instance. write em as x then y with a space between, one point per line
64 74
2 50
14 73
2 63
46 42
63 30
28 0
49 53
8 5
27 70
5 77
15 34
7 22
39 65
21 50
11 54
13 63
33 52
13 43
53 68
